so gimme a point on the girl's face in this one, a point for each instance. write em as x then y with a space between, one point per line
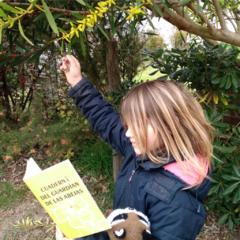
150 139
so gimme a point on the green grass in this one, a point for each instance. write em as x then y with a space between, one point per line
11 196
144 74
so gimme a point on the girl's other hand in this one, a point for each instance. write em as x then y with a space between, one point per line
60 236
72 69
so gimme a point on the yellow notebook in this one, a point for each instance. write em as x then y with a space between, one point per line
65 197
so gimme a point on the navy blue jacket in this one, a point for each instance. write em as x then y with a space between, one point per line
174 214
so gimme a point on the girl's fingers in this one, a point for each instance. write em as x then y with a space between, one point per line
59 234
72 61
65 66
75 60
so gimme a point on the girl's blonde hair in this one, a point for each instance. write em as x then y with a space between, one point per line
178 122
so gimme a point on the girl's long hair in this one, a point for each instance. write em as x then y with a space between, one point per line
178 121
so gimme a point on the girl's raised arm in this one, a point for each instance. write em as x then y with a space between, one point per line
99 113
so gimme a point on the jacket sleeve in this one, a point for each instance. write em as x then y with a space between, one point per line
100 114
178 220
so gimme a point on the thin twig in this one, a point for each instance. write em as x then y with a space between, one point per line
220 14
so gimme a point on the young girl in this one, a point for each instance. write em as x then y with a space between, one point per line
166 143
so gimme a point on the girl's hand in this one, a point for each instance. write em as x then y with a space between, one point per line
60 236
72 69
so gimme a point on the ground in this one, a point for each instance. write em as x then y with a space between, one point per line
18 203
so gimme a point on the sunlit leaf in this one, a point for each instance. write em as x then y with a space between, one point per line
22 33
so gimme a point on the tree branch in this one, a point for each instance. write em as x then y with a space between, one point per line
230 20
212 30
191 27
220 14
237 17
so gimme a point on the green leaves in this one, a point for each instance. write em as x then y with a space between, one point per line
230 188
223 219
184 2
78 16
9 8
36 55
82 44
2 13
158 10
81 2
22 33
50 18
102 31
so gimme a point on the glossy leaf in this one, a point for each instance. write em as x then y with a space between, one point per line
223 149
213 189
223 219
231 188
230 222
236 196
216 80
228 83
236 170
230 177
234 79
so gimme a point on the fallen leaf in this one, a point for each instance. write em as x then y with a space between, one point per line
44 130
100 187
48 153
2 114
66 129
50 144
64 142
21 129
16 149
37 135
30 130
4 215
29 123
32 151
8 157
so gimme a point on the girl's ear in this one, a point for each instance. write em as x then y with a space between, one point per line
146 235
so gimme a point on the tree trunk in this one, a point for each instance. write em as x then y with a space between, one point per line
114 80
